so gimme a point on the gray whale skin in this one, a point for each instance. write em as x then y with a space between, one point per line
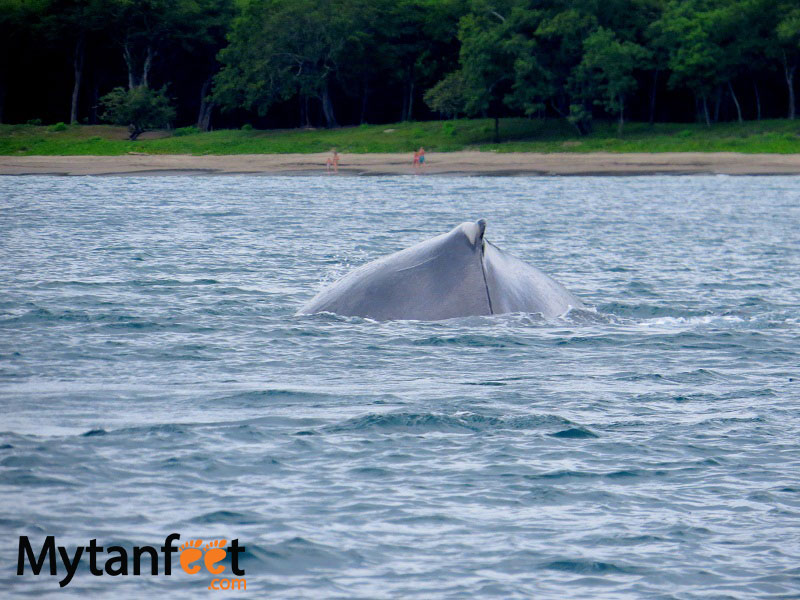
456 274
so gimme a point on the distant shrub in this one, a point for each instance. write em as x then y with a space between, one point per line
364 126
181 131
580 118
140 108
95 138
684 133
35 122
418 132
449 128
247 127
60 126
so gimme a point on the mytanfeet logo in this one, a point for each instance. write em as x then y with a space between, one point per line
193 556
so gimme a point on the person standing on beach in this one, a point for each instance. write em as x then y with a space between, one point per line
333 161
421 154
416 161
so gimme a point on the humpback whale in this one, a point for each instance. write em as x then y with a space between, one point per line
456 274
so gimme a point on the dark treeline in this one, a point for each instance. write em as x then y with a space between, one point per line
290 63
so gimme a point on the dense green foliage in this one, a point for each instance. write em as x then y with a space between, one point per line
289 63
521 135
140 108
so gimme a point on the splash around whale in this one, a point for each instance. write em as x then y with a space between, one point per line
456 274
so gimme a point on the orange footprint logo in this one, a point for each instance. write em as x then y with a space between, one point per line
215 552
190 553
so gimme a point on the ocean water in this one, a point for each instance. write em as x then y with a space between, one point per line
154 379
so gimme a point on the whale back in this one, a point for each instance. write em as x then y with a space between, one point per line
439 278
456 274
515 286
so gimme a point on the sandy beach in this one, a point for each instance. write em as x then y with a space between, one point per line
451 163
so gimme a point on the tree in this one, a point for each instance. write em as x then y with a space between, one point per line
695 59
279 49
140 108
404 23
560 36
200 38
532 86
75 23
367 67
715 43
486 63
149 30
140 30
757 51
609 64
788 32
449 96
740 55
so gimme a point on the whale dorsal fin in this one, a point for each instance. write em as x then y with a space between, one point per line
474 231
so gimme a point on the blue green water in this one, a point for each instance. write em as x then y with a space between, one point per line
154 379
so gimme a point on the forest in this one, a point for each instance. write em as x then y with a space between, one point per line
279 64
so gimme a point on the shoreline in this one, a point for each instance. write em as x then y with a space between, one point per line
463 163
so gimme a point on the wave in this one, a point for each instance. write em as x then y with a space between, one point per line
260 397
227 517
589 566
574 433
462 422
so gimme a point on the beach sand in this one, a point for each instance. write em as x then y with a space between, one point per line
450 163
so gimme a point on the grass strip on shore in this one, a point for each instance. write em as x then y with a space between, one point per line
517 135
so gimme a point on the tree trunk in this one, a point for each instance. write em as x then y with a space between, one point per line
736 102
408 94
77 66
717 104
653 97
129 63
148 62
206 106
789 74
621 114
327 107
95 100
204 118
705 111
758 100
497 130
